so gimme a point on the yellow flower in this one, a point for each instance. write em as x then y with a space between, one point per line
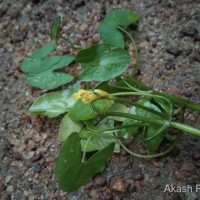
88 96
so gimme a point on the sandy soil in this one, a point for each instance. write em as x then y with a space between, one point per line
167 36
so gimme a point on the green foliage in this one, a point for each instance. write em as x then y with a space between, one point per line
52 104
108 28
55 28
71 171
102 62
81 111
39 68
114 108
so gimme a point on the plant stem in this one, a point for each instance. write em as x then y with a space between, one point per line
140 106
177 125
68 41
153 155
186 128
134 46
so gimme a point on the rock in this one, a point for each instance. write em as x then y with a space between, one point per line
173 51
189 31
119 186
8 178
179 176
2 185
37 157
100 180
189 167
10 189
83 27
137 176
49 159
37 169
94 195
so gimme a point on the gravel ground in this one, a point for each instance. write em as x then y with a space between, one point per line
167 36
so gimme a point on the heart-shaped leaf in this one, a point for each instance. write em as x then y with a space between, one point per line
71 173
52 104
67 127
108 28
81 111
102 62
101 140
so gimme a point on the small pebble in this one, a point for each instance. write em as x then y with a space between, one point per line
137 176
36 157
173 51
179 176
10 189
119 186
189 167
50 159
190 31
100 180
37 169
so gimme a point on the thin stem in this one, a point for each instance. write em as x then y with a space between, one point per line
85 147
163 128
136 117
153 155
140 106
68 41
134 46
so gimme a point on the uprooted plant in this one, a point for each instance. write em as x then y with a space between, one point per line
98 117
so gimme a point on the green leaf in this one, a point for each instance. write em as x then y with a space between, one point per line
67 127
118 107
150 130
48 80
52 104
108 28
102 62
81 111
39 69
71 173
43 51
55 28
100 140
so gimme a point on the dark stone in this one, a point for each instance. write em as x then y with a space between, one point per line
173 51
189 31
137 176
37 169
37 157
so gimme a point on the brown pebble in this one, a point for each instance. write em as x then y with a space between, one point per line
2 185
189 167
179 176
100 180
83 27
49 159
119 186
